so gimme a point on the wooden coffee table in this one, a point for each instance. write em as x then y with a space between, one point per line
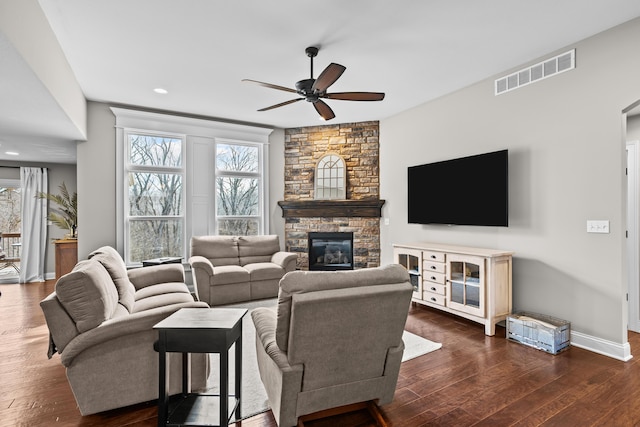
199 330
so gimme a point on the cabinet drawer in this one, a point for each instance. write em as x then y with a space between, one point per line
433 256
428 267
434 277
436 288
433 298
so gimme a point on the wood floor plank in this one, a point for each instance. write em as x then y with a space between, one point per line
472 380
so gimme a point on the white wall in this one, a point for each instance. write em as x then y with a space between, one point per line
97 181
633 128
24 23
566 165
276 184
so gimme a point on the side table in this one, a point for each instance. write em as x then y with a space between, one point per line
160 261
199 330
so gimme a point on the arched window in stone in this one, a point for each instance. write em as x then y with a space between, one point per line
331 177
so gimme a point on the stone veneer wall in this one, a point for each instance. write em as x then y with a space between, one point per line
358 145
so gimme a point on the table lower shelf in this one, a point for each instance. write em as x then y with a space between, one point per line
198 410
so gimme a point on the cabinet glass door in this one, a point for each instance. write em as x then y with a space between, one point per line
466 284
411 261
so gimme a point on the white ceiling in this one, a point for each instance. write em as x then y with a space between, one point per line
198 50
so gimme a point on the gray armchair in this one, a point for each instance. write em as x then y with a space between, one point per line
335 340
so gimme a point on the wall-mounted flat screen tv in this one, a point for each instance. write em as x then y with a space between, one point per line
471 190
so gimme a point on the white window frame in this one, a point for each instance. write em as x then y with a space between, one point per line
199 151
132 168
259 175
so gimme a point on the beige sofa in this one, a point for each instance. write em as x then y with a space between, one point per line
335 340
100 319
229 269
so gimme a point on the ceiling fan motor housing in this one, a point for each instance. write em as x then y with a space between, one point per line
303 87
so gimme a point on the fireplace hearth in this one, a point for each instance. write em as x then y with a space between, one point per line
330 251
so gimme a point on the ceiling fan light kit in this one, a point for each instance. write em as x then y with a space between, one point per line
312 90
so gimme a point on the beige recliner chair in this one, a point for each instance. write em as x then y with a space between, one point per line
335 340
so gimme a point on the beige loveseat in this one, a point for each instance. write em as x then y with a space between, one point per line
100 319
228 269
334 340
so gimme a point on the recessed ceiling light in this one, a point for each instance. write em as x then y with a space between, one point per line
161 91
12 153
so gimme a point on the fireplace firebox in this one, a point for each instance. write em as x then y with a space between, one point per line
330 251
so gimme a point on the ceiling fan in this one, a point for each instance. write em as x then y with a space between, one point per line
312 90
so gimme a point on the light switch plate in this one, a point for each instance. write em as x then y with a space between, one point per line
597 226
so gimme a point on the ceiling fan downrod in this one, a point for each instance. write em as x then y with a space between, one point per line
311 52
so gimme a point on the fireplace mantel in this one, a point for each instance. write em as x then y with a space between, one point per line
365 208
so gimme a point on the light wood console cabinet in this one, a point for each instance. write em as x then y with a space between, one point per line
474 283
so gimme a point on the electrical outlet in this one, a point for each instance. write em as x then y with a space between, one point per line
597 226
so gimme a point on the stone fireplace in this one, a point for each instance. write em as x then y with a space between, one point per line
359 213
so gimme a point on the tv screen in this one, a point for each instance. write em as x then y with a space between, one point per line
470 190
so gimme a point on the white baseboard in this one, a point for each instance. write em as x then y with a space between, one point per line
601 346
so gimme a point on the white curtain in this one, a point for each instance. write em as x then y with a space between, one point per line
34 224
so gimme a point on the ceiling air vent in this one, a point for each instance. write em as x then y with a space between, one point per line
547 68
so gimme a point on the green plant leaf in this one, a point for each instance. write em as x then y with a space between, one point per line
65 215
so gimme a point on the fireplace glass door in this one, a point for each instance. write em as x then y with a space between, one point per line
330 251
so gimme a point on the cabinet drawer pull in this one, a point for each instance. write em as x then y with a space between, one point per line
433 267
433 288
433 257
433 299
433 277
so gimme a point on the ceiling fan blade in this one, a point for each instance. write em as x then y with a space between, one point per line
269 85
282 104
328 77
356 96
324 110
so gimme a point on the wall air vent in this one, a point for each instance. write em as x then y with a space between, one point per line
547 68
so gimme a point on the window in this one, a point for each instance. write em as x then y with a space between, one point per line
10 206
185 176
238 189
154 214
330 178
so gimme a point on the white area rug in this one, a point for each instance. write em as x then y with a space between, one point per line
415 346
253 396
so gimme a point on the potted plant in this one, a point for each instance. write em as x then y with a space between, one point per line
65 215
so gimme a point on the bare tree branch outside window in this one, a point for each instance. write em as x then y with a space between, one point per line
156 218
237 189
10 212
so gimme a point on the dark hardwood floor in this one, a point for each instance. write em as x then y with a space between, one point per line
473 380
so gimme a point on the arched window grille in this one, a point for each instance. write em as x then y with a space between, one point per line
330 177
